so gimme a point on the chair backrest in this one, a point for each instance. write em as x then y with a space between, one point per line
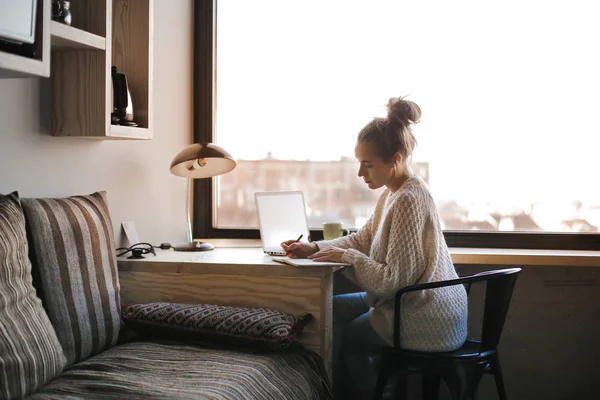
499 289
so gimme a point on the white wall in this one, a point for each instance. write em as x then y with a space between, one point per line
135 174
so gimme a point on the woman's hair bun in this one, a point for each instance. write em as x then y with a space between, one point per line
404 111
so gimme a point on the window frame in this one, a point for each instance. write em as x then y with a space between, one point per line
205 16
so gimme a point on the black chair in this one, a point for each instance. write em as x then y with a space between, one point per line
461 369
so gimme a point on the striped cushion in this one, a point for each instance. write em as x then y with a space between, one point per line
75 270
30 354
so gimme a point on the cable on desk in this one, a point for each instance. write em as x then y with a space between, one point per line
137 250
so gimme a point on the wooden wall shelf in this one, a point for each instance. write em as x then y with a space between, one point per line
64 37
120 34
14 66
104 33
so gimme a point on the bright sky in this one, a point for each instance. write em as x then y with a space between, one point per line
510 90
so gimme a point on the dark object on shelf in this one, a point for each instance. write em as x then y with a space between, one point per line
137 250
136 253
20 49
122 113
194 246
61 11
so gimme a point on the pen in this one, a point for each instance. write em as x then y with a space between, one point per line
297 240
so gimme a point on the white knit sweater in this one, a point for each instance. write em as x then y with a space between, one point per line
402 244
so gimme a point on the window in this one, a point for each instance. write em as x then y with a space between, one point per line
508 140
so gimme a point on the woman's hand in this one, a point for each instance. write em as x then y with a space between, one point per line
295 249
328 254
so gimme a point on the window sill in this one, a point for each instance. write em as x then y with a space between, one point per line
519 257
464 255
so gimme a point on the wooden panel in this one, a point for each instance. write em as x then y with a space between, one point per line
132 52
294 295
79 92
81 85
90 16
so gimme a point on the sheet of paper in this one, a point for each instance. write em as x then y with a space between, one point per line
131 232
305 262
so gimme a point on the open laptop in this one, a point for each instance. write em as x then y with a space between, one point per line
281 217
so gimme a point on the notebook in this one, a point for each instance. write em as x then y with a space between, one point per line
305 262
281 217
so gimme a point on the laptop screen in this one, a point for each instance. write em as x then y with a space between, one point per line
281 216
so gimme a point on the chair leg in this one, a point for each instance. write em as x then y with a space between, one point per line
430 386
463 381
401 387
385 370
497 371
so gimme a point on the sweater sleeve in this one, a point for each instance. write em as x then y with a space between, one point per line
404 261
360 240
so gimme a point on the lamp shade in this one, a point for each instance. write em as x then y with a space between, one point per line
202 160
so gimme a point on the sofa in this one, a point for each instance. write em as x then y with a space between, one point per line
64 333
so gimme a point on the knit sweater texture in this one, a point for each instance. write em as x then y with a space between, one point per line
402 244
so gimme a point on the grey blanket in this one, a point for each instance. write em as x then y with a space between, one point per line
170 370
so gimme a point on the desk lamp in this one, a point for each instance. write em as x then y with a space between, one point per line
200 160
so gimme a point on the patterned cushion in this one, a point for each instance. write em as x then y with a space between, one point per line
75 271
257 327
30 354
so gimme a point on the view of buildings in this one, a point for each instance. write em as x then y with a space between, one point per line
334 192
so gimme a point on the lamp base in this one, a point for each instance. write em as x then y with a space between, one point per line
194 246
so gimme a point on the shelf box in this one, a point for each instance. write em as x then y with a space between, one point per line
120 33
132 52
65 37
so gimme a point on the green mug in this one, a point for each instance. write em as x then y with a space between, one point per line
334 230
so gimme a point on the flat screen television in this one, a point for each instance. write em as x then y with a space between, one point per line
17 26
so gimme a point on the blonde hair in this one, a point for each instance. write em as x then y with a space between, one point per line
393 134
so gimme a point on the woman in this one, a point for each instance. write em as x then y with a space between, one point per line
401 244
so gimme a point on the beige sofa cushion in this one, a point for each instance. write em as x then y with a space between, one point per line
30 354
75 271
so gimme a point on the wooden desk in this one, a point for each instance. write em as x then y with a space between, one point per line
237 277
238 273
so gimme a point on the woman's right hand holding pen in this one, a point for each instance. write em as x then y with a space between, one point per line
296 249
